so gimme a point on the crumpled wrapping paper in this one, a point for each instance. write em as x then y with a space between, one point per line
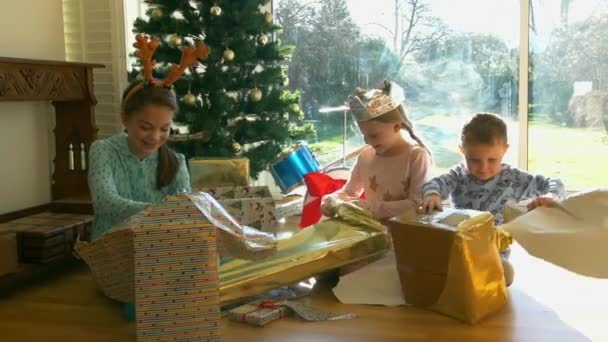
572 235
253 262
183 218
351 237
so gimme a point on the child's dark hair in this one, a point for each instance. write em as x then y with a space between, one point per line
168 164
484 128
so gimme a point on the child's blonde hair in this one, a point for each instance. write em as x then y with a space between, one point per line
399 115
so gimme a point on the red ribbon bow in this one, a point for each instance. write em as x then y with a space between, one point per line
265 304
318 185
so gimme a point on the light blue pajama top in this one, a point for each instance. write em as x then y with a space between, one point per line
511 184
122 185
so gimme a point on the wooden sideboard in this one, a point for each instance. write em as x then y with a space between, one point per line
68 86
45 233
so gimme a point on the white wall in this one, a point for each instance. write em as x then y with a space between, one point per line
28 29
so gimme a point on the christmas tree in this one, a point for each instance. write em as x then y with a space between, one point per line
237 104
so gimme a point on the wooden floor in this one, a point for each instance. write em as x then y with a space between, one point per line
547 304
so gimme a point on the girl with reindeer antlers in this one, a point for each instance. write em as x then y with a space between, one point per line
134 168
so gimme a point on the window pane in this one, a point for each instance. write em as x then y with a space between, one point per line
568 108
452 61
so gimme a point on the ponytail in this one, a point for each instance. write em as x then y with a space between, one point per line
167 166
407 125
399 115
413 135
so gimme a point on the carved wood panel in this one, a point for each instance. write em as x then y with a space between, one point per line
37 83
69 86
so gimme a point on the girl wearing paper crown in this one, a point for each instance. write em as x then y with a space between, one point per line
391 169
132 169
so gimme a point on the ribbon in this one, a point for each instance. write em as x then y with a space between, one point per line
318 185
265 304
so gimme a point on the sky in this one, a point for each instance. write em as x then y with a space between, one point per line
500 17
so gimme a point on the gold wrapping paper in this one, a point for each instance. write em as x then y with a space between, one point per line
208 172
327 245
449 262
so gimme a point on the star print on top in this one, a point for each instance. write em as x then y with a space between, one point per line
391 184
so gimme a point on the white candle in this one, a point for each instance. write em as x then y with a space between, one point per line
83 158
71 158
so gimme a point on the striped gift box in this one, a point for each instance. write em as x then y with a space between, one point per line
176 275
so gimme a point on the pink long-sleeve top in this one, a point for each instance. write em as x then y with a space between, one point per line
391 184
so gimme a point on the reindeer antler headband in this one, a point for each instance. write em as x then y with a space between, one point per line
145 50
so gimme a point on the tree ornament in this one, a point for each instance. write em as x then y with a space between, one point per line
294 107
189 99
228 55
236 147
255 95
216 10
268 17
263 39
157 13
175 40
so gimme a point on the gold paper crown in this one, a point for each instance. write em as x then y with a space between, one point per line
145 50
375 102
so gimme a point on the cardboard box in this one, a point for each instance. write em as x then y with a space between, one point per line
252 206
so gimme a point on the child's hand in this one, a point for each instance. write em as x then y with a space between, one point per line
366 205
328 204
430 203
543 201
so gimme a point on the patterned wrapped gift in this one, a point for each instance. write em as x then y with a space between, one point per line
48 236
207 172
449 262
258 313
250 205
165 260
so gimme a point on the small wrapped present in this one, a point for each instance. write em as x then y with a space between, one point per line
207 172
449 262
263 312
258 313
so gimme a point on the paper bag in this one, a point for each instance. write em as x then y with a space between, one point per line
449 262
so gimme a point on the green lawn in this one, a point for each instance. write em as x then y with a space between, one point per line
577 156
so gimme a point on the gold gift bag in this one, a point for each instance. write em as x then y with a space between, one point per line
449 262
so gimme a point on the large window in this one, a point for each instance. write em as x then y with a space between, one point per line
454 59
568 104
